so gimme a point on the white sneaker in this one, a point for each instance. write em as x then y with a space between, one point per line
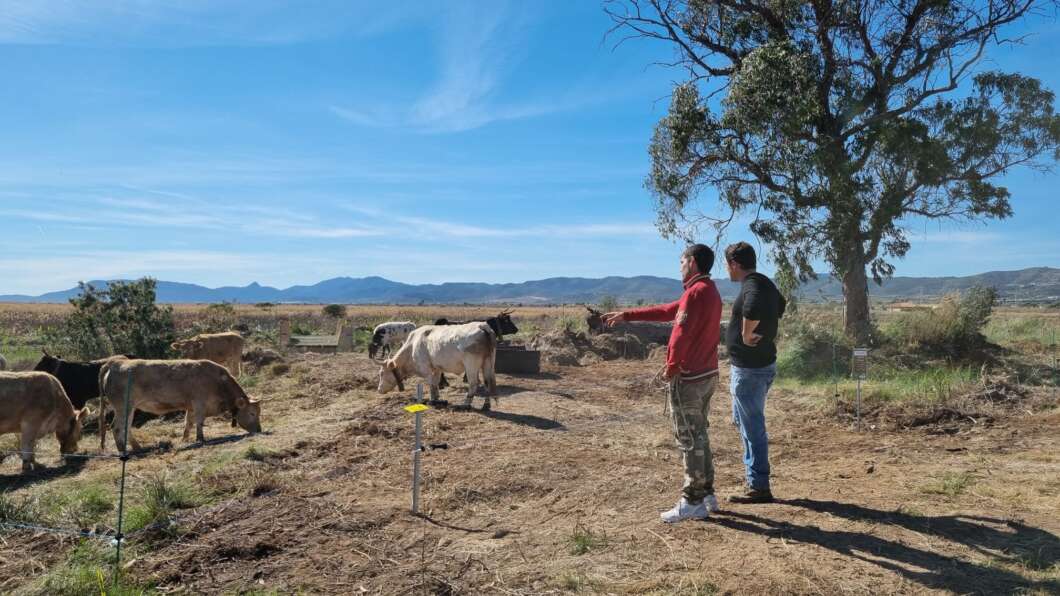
712 503
685 510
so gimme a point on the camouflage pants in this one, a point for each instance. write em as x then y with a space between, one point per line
689 403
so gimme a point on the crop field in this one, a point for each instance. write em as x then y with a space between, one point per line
951 487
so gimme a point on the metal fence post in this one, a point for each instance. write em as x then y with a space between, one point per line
417 452
124 459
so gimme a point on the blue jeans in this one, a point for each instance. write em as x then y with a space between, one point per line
749 387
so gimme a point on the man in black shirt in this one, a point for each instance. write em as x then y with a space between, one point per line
751 340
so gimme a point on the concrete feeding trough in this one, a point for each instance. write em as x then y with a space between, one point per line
516 360
342 341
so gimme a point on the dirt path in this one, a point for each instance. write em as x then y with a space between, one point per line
558 490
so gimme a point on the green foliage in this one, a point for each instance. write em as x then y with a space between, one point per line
123 319
89 569
583 540
218 317
830 133
810 350
950 484
160 498
17 509
955 327
335 311
608 304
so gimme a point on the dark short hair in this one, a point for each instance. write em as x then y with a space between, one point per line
702 255
741 253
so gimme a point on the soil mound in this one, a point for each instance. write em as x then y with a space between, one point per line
262 357
567 348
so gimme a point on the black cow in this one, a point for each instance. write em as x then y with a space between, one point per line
501 325
80 380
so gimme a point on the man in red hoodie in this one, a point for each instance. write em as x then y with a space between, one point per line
692 370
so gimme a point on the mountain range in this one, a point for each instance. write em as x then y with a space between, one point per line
1037 284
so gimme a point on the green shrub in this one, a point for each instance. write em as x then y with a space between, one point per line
335 311
123 319
954 327
608 304
811 350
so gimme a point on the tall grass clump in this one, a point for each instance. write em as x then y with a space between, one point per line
954 328
89 569
160 498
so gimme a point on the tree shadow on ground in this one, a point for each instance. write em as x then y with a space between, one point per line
530 420
72 467
1016 543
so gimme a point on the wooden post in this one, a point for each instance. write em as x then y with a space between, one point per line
285 333
345 338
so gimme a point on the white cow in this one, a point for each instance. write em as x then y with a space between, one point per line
386 337
433 349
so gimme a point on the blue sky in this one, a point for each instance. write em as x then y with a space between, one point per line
221 143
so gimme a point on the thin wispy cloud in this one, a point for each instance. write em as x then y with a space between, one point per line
192 23
400 225
191 213
479 44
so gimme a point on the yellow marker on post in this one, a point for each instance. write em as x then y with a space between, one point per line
417 409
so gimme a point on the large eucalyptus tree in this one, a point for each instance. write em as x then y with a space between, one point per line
837 123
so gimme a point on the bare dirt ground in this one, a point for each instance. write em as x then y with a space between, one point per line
558 490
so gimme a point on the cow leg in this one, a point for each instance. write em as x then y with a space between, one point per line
200 418
102 424
27 444
187 425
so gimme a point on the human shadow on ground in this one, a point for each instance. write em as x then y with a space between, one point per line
530 420
71 467
929 569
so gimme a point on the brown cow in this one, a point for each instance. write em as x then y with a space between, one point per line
34 404
225 349
199 388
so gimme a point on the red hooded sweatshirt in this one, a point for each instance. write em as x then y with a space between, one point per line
693 349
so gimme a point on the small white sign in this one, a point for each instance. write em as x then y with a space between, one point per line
861 363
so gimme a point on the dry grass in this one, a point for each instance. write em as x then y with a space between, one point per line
558 490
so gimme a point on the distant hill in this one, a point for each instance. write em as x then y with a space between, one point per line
1037 284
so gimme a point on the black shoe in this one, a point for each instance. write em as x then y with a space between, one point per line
753 495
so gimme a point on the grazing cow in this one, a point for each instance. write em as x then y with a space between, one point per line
388 336
432 349
80 380
34 404
199 388
225 349
501 325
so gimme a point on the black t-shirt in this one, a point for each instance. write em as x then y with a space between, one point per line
759 300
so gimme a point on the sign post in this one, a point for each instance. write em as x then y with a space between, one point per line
861 372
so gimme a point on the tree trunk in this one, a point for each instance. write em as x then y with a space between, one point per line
857 323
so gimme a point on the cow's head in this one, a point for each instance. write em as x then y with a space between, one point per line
47 363
594 319
390 377
187 346
505 326
248 415
70 433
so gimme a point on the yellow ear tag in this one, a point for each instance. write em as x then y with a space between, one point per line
416 408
